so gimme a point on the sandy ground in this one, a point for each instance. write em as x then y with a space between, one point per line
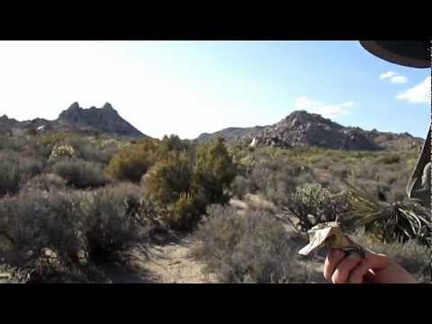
173 263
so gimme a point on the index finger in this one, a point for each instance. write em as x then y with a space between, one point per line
332 260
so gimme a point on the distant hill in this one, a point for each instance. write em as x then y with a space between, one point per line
105 120
301 128
230 133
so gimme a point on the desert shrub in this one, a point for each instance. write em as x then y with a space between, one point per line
246 162
15 170
242 186
104 154
60 236
45 182
9 178
249 248
214 171
80 174
170 178
183 186
173 143
324 162
258 203
387 181
389 158
277 179
62 150
184 213
34 222
312 204
116 219
11 142
170 184
397 192
96 151
5 140
133 161
367 172
389 222
340 171
46 143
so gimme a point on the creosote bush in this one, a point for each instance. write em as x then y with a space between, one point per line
248 248
59 236
16 170
80 174
183 186
133 161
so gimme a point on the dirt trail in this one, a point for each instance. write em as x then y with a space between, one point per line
173 263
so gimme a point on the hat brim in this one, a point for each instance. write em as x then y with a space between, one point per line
414 54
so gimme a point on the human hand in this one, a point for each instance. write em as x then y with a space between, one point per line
374 268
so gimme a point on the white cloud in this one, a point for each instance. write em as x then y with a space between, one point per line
393 77
398 79
326 110
387 75
421 93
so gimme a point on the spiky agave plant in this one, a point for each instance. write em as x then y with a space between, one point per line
389 222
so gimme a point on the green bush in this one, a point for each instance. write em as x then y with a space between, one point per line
170 184
173 143
184 214
133 161
214 171
170 178
249 248
80 174
184 189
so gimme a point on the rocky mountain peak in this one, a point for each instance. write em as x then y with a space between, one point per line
105 119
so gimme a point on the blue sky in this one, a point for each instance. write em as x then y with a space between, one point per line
190 87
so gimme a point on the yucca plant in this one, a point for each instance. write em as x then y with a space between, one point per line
389 222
